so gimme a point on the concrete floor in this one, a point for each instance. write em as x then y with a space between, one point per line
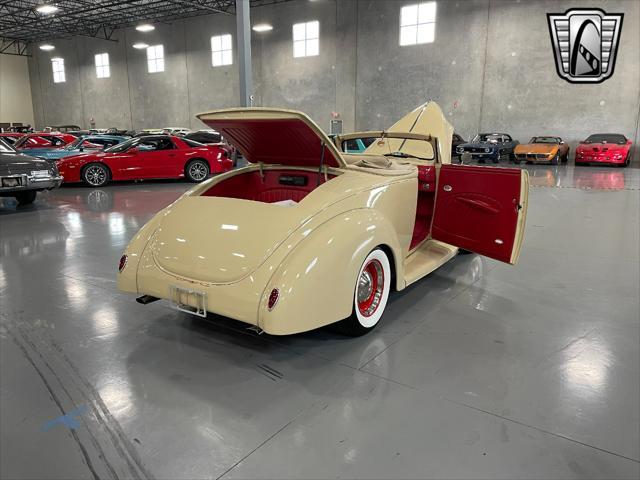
481 370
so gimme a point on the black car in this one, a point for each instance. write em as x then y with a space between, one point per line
489 146
22 176
204 136
456 140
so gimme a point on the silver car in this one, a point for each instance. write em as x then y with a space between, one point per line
22 176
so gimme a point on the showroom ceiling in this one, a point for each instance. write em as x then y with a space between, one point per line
21 22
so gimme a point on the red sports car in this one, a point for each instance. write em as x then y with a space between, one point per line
43 140
153 156
607 148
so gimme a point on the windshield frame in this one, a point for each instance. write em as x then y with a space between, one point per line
123 146
5 147
377 136
621 139
536 140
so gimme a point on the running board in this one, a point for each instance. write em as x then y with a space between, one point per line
146 299
427 258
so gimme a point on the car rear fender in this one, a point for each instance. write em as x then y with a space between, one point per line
316 281
128 278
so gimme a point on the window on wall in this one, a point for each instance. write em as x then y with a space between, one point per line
418 23
57 65
155 58
102 65
306 39
221 50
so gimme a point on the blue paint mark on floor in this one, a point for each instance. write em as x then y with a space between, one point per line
69 420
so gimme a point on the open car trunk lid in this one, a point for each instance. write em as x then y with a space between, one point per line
275 136
221 240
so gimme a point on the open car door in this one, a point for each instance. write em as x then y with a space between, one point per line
482 209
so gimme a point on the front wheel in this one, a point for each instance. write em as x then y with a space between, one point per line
197 170
371 293
556 160
95 175
26 198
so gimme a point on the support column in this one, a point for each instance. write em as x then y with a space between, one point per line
243 28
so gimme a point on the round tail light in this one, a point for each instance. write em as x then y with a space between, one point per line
273 298
123 263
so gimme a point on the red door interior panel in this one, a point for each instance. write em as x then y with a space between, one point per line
424 207
477 209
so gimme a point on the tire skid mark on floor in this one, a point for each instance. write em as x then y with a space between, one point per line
105 418
270 372
83 450
123 448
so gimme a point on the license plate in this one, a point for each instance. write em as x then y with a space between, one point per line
39 173
189 301
11 182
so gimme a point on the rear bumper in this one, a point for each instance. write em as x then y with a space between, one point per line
240 300
28 182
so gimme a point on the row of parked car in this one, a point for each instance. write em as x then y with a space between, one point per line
97 157
43 160
599 148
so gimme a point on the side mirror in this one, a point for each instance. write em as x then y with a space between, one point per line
133 150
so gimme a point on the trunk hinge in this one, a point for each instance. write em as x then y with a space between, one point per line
260 166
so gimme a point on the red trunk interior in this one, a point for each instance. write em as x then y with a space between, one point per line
269 186
424 207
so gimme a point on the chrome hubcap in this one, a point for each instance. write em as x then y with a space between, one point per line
95 175
365 286
370 288
198 171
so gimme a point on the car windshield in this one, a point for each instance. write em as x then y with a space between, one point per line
121 147
487 137
391 147
73 145
545 140
5 148
606 138
22 141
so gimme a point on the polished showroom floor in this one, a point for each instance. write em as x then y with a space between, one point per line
481 370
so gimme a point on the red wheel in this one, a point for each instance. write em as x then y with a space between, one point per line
372 289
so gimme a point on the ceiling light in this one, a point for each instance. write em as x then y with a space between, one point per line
145 27
47 9
140 45
46 47
262 27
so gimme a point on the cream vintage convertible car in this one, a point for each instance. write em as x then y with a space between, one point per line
305 235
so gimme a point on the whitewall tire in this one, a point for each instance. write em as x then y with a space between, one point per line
371 293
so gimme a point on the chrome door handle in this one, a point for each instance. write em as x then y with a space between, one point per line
447 188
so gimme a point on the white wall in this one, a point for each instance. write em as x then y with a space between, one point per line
15 90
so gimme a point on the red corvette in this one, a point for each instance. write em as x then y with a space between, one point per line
607 148
153 156
43 140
